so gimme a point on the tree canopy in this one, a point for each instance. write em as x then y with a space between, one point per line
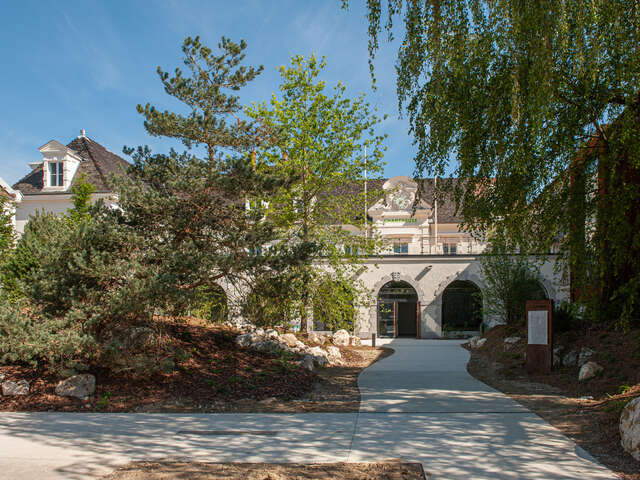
509 94
326 142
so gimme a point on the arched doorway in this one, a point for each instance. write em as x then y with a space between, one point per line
461 306
398 310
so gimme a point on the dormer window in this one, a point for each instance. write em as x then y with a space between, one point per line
56 177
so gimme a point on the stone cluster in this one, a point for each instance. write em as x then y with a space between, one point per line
312 357
630 428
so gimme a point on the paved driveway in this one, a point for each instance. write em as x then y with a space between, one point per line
418 404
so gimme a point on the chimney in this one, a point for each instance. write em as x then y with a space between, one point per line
82 134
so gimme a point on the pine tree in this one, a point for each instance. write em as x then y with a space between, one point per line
191 206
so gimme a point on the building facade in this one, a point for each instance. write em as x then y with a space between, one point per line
427 283
48 187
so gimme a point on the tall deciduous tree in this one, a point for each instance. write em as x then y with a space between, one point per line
191 206
511 92
322 138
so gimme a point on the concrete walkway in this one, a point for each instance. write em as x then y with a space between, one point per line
418 404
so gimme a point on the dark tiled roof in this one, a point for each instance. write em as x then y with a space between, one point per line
97 165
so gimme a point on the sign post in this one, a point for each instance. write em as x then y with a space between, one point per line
540 335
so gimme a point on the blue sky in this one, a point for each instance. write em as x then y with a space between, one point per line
69 65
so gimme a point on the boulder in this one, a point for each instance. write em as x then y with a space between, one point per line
271 333
307 362
570 359
267 346
317 338
259 331
248 339
589 370
301 346
557 356
334 355
289 339
584 356
9 387
630 428
78 386
341 338
476 342
320 356
355 341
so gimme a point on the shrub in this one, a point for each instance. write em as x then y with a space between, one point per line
510 280
28 337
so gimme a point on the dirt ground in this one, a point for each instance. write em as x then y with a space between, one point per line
206 372
261 471
587 412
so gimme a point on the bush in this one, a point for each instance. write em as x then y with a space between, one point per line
565 317
334 305
31 338
510 280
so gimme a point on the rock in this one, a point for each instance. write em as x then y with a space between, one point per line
289 339
248 339
301 346
307 362
570 359
320 356
267 346
78 386
259 331
9 387
630 428
355 341
476 342
586 397
2 377
341 337
317 338
334 355
589 370
557 356
584 356
271 333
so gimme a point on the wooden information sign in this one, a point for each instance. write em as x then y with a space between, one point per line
540 335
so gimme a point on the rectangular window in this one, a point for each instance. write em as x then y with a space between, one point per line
55 174
450 248
400 248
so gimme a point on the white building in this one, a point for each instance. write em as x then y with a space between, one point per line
426 283
48 186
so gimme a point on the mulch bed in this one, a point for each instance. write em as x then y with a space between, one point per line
208 370
561 399
208 373
265 471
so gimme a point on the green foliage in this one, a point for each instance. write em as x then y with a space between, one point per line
190 208
566 317
41 232
321 139
211 304
29 337
7 233
510 280
533 100
334 304
81 199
